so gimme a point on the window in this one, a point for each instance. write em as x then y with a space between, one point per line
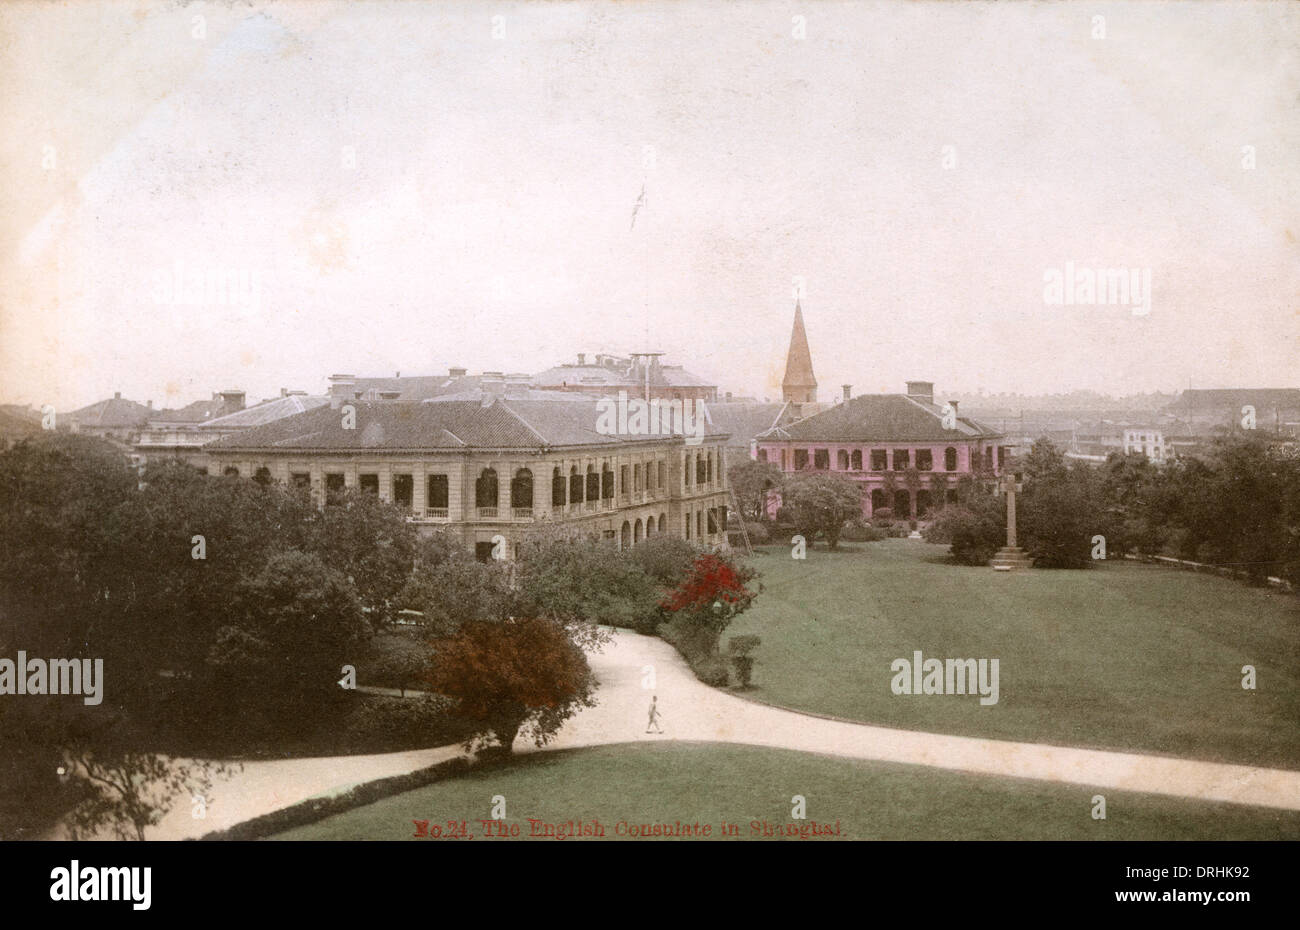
636 477
699 470
369 483
879 459
922 503
622 480
262 476
1002 456
902 504
713 520
438 494
485 493
821 458
762 455
842 460
606 482
593 483
708 473
857 460
924 460
558 488
901 459
688 526
663 480
483 551
950 459
800 459
231 471
575 486
521 493
403 489
699 523
877 500
334 486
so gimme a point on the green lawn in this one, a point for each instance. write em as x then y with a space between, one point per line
713 784
1118 656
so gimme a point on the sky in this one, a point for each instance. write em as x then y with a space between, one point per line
384 187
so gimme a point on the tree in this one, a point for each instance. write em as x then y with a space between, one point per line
1058 515
515 675
370 541
458 591
580 582
821 503
753 481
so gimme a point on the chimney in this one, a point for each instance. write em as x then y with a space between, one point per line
284 392
728 396
921 390
342 385
117 395
149 404
582 358
848 390
233 398
953 404
456 372
397 374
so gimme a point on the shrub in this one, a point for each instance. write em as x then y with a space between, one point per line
973 535
741 649
858 531
758 533
381 724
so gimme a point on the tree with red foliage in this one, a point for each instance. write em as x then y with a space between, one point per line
713 590
511 675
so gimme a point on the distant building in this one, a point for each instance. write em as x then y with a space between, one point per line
1203 410
487 470
115 418
1148 441
640 374
177 434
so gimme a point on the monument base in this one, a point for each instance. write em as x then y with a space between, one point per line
1010 559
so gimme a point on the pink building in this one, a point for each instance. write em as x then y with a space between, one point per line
884 442
904 451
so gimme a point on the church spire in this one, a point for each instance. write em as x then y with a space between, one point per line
799 385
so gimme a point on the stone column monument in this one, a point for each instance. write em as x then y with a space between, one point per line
1011 557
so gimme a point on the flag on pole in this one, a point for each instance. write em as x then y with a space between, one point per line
640 201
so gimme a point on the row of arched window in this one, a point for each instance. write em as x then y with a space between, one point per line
852 460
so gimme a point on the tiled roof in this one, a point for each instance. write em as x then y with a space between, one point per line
267 412
624 376
745 421
435 425
198 412
114 413
419 387
879 418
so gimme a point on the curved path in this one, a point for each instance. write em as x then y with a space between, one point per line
690 710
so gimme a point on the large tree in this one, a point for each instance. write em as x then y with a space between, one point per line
525 674
753 481
821 503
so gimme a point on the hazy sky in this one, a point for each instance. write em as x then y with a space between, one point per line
408 187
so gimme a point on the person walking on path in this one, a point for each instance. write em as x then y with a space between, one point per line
654 715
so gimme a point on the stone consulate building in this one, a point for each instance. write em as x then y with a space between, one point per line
495 467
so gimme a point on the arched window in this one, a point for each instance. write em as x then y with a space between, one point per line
636 531
575 486
663 522
485 491
607 482
842 460
558 487
857 460
649 527
593 483
231 471
626 535
262 475
521 491
950 459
